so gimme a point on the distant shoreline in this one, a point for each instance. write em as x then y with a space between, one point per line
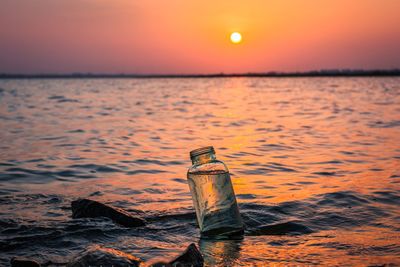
321 73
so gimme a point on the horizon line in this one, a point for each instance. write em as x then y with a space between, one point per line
312 73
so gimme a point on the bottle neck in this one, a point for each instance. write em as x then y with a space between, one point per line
203 158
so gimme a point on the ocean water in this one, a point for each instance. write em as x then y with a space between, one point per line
315 164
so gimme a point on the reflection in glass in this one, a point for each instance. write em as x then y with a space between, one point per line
220 252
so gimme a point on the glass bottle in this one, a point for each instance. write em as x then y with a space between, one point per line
213 196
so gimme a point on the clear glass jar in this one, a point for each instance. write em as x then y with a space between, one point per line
213 196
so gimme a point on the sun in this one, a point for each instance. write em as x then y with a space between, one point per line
236 37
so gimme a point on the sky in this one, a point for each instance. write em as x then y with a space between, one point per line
190 37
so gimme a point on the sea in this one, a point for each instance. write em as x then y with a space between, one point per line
314 162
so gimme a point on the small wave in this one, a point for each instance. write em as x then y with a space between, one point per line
180 180
76 131
61 99
246 196
135 172
123 191
40 176
274 147
266 168
384 124
328 162
95 167
325 173
386 197
153 161
284 228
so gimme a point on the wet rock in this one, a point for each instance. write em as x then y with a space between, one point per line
281 229
23 262
100 256
191 257
86 208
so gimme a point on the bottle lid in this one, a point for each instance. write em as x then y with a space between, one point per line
202 150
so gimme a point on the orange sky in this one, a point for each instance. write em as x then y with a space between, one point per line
180 36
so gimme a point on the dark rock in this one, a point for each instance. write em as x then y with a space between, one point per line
281 229
100 256
191 257
22 262
86 208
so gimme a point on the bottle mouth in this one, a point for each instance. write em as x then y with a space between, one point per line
202 150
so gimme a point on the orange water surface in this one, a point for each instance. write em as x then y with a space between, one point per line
323 153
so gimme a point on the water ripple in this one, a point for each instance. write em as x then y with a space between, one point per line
314 164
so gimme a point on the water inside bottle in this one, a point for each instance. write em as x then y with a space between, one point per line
215 203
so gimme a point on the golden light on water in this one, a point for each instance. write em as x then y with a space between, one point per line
236 37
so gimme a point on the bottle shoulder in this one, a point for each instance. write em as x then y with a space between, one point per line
212 166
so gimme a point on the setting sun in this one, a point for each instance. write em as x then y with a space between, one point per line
236 37
131 102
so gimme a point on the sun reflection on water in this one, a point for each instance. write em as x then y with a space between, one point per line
324 152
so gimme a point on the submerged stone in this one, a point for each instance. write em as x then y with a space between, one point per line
23 262
191 257
281 229
100 256
86 208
